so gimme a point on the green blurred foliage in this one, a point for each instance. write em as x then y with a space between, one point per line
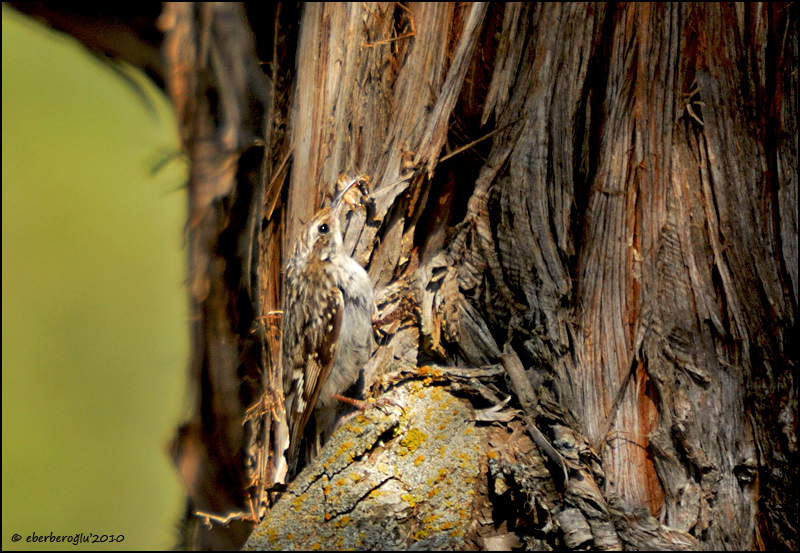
95 324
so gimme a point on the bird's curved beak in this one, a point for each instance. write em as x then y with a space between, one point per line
341 198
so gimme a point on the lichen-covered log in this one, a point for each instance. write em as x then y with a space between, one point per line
387 480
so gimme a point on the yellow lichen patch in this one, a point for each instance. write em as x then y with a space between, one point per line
493 454
419 460
427 370
355 477
327 489
420 535
341 482
408 498
344 447
437 394
341 522
327 516
413 440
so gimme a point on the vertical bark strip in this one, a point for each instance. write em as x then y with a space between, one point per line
209 54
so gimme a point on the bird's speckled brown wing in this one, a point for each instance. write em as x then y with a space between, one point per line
308 363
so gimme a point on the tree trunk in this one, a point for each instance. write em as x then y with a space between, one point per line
590 208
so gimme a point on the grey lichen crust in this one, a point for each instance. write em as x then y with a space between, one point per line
402 475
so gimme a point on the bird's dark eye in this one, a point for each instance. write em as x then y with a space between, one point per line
324 228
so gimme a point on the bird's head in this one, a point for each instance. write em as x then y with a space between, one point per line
321 238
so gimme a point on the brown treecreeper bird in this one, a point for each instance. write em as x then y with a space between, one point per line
327 328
